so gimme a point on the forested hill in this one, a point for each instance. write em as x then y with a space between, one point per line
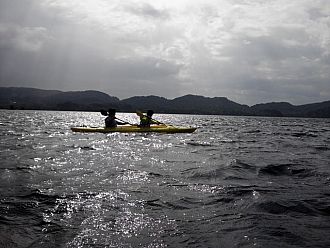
31 98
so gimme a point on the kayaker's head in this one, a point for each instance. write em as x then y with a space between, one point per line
150 113
112 112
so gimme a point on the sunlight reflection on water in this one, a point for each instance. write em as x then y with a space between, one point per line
233 182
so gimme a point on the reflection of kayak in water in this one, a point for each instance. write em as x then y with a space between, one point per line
135 129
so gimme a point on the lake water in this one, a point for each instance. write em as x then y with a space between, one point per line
235 182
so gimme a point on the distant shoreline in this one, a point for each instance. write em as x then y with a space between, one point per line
18 98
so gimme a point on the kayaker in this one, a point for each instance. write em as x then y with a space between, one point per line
111 120
146 120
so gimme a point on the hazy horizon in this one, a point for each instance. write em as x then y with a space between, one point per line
248 51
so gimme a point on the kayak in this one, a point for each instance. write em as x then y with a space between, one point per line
135 129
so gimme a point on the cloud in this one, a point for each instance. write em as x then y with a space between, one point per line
28 39
249 51
146 10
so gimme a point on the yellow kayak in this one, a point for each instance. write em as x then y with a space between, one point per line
135 129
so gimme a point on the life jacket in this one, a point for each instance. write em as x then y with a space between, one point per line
110 122
145 121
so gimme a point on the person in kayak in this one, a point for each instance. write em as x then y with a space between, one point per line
111 120
146 120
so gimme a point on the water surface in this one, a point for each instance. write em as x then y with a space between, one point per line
235 182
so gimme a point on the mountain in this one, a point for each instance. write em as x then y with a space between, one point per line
189 104
147 102
31 98
315 110
216 105
321 110
273 109
91 100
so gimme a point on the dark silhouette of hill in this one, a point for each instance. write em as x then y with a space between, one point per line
321 109
147 102
31 98
91 100
82 100
216 105
189 104
274 108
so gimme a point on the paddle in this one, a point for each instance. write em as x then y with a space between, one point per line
139 113
105 113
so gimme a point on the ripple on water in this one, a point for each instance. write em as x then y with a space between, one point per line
235 182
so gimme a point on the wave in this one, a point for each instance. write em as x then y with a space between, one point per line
304 134
286 170
310 208
322 147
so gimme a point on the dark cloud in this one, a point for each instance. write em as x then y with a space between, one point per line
251 51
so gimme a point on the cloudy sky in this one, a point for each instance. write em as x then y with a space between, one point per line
250 51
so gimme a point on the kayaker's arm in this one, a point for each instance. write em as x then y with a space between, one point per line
152 121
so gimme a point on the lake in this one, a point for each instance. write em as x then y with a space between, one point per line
235 182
